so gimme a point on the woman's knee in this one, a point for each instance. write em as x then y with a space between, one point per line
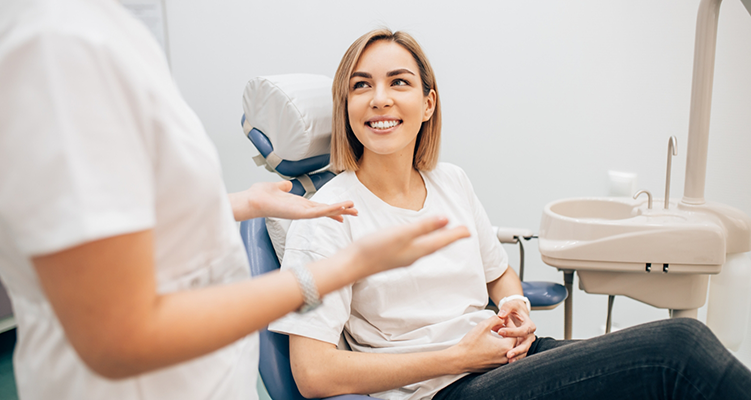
683 334
688 328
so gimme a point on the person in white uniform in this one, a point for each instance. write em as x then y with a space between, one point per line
118 241
423 332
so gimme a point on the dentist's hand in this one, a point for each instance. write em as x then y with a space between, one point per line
518 325
272 199
401 246
481 350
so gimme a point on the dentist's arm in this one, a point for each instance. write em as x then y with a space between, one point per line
104 294
320 370
272 199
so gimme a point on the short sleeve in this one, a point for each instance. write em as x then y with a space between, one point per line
309 241
74 159
494 257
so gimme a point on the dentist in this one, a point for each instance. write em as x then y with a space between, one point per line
118 242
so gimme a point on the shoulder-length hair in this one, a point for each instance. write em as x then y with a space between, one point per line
346 149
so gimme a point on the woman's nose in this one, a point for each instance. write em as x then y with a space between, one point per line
381 98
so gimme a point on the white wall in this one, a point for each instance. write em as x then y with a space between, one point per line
540 98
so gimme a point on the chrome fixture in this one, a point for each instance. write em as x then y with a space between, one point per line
649 197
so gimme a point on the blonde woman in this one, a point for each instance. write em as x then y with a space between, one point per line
423 332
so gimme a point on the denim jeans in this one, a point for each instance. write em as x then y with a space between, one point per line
670 359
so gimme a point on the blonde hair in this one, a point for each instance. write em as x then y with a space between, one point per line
346 149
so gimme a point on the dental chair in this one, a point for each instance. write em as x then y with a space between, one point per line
274 364
288 120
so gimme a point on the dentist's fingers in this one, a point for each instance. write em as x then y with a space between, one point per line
284 186
402 245
429 243
267 199
334 211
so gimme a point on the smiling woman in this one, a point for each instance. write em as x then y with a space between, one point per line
410 72
423 332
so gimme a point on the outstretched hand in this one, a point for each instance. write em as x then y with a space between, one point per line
403 245
272 199
519 326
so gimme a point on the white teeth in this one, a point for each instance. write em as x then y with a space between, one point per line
384 124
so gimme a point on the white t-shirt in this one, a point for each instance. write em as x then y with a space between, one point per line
96 141
428 306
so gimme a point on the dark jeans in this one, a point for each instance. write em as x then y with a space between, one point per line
670 359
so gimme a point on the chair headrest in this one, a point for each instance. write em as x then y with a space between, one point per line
293 111
288 119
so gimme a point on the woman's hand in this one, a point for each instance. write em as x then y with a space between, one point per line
518 325
272 199
402 245
482 350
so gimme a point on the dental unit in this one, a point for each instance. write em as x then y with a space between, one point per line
663 256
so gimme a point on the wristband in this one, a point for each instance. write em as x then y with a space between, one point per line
307 287
515 297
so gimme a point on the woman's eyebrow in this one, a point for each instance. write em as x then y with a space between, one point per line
361 74
399 72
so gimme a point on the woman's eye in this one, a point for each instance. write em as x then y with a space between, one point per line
359 85
400 82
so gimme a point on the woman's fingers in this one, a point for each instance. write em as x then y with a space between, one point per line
521 349
519 324
525 329
483 350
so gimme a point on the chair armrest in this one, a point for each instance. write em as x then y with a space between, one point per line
511 235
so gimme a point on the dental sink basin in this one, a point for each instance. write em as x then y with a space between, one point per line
620 234
658 256
593 208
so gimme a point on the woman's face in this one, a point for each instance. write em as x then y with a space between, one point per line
386 107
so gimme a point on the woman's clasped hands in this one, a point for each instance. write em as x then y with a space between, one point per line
517 325
498 340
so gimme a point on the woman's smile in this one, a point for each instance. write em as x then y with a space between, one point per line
382 125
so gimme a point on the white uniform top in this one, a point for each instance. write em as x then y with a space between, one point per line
428 306
96 141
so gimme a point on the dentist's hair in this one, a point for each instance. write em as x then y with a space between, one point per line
346 149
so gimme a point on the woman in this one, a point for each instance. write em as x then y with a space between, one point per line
423 332
118 244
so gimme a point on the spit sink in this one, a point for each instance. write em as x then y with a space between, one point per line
618 246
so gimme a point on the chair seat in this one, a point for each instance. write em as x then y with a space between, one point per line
544 295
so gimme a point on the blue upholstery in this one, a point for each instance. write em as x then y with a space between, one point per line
274 358
544 295
318 180
286 167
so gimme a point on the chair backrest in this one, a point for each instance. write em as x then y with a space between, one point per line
274 364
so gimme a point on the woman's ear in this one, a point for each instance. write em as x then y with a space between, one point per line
429 104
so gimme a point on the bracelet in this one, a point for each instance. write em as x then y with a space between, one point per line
515 297
307 287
